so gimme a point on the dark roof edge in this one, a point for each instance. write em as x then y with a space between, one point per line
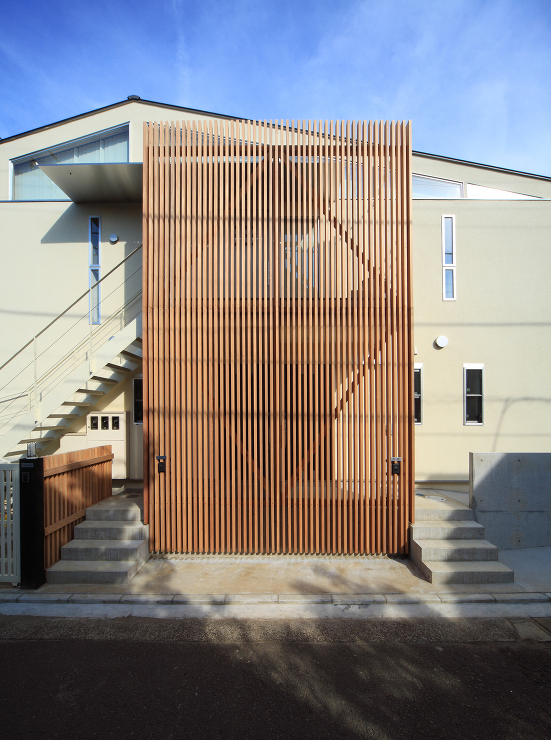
241 118
115 105
481 166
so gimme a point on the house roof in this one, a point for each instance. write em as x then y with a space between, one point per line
117 105
136 99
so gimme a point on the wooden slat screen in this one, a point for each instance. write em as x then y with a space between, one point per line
278 373
73 481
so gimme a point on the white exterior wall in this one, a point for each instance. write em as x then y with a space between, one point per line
500 318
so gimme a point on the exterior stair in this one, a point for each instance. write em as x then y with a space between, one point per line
448 546
109 547
75 399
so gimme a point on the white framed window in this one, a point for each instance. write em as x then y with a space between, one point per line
418 392
94 236
138 400
473 394
425 187
449 264
29 182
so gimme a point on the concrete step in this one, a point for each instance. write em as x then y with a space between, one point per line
447 530
453 550
108 530
466 572
115 509
86 571
448 513
105 550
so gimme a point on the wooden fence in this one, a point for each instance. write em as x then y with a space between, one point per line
73 481
278 358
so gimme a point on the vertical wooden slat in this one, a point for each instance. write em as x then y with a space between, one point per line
188 344
178 458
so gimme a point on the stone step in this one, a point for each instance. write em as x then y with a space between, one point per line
115 509
466 572
94 530
446 513
444 530
453 550
105 550
86 571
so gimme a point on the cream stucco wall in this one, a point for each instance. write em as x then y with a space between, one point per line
501 318
45 261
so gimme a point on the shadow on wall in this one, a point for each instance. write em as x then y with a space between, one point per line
72 225
510 494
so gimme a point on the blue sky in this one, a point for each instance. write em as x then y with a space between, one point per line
474 76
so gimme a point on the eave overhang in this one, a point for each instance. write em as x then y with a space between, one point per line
98 183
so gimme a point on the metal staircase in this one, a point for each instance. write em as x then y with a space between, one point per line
71 364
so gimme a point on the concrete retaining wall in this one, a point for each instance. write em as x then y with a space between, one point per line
510 494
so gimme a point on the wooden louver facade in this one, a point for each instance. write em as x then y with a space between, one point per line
277 336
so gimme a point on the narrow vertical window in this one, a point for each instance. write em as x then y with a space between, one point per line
95 267
448 258
473 383
418 392
138 400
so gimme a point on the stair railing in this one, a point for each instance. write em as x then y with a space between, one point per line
70 340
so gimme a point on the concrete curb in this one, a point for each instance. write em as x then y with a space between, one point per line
267 599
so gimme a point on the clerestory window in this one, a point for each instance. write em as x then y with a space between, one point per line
30 183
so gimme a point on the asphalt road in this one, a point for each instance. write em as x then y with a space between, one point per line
142 678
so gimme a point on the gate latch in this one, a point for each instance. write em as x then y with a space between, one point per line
161 463
395 465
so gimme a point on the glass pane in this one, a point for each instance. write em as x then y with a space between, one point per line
94 297
429 187
88 153
94 241
474 382
448 241
115 148
474 409
417 409
138 400
30 183
417 382
449 292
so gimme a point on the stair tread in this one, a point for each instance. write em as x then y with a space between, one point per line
447 544
118 566
84 544
467 565
118 368
132 355
109 523
447 523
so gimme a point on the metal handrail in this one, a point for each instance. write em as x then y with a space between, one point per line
87 292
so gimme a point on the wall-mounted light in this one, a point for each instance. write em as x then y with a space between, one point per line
441 341
113 238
